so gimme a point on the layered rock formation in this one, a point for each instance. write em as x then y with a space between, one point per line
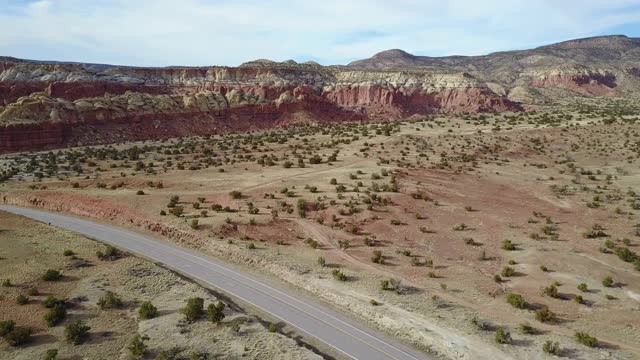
45 105
73 104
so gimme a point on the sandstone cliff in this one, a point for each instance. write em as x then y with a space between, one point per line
49 105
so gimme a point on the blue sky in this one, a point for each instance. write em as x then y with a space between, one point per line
224 32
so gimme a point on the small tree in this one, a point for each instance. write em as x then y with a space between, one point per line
76 332
194 309
147 310
137 347
215 312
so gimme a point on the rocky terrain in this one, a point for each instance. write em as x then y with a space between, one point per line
47 105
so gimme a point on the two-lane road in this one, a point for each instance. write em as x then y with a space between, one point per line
346 336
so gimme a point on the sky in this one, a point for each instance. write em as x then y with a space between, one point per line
221 32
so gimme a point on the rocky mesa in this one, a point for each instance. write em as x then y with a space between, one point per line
47 105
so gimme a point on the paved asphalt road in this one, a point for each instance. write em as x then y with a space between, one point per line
346 336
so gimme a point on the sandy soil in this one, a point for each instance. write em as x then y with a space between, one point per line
541 180
29 248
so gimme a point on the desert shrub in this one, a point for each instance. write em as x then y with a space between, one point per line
273 328
194 309
194 224
215 312
390 285
139 192
480 324
527 329
52 275
551 348
50 301
110 253
508 245
6 326
545 315
6 283
582 287
76 332
502 336
551 291
377 257
607 282
516 300
625 254
507 271
137 347
235 194
22 300
18 336
51 354
68 253
586 339
339 275
147 310
321 261
110 301
176 211
55 315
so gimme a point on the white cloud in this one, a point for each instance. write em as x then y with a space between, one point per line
201 32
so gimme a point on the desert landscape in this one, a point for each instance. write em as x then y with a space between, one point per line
485 214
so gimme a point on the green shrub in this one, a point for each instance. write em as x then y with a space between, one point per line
18 336
607 282
516 300
194 309
551 348
6 326
545 315
51 301
586 339
215 312
55 315
147 310
76 332
508 245
51 354
528 329
551 291
582 287
502 336
110 301
137 347
339 275
22 300
52 275
110 253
